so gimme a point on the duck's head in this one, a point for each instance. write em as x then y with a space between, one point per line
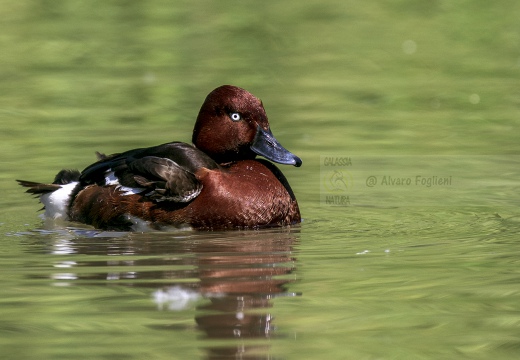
232 125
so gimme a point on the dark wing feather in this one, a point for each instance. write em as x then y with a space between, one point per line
165 179
166 172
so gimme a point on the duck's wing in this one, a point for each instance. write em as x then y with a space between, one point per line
162 173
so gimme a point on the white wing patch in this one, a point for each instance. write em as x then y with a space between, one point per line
111 179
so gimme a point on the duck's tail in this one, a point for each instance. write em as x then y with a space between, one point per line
56 196
65 176
38 188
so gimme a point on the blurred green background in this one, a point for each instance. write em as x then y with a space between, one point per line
399 76
383 77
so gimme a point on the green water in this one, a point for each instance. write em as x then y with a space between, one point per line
401 88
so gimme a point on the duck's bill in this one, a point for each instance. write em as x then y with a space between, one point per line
266 145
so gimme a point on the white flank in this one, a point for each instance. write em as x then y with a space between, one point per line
139 225
111 179
57 202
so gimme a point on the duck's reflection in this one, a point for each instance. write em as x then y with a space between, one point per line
230 276
248 274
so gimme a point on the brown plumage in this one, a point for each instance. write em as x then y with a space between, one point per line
215 184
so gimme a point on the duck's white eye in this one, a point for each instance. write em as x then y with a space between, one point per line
235 116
